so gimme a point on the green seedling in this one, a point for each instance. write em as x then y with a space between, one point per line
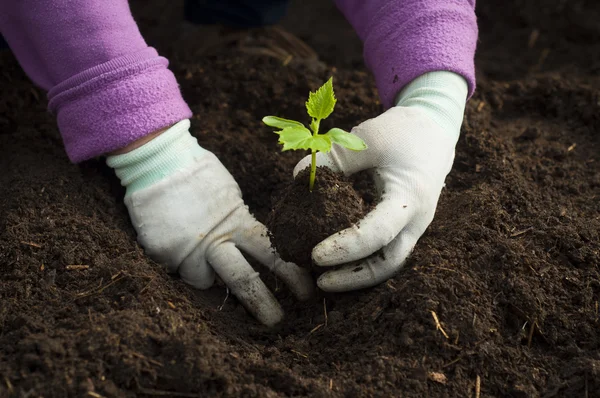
294 135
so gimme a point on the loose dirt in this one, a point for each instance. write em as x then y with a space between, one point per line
502 291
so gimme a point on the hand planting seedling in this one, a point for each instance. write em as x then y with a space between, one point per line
294 135
299 221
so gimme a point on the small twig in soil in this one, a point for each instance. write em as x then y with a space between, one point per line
115 276
519 233
101 289
480 106
150 391
438 325
390 285
331 384
31 244
524 325
445 269
220 308
477 387
325 310
377 313
147 285
74 267
530 334
570 148
533 269
299 353
452 362
141 356
94 394
319 326
8 385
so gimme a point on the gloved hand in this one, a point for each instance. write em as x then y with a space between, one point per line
410 151
189 215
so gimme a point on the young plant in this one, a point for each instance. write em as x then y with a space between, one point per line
294 135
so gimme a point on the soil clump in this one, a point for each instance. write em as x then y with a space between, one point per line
301 219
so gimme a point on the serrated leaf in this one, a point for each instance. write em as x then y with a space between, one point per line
301 138
280 123
345 139
294 137
320 104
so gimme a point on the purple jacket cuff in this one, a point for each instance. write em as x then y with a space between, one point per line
406 39
113 104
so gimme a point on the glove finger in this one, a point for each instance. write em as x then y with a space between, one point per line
323 159
374 231
254 241
372 271
196 271
245 283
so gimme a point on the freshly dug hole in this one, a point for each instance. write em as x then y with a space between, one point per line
301 219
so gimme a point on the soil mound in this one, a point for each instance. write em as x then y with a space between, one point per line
502 291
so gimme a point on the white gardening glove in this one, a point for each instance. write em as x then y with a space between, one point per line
410 151
189 215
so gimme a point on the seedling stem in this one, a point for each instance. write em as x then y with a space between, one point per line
313 169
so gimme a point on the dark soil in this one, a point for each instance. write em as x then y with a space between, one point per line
301 219
510 265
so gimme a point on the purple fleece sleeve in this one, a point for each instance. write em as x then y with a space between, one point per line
106 86
404 39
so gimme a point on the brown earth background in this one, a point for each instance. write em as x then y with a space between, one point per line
509 267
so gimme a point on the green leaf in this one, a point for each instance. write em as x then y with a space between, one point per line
321 143
294 137
345 139
301 138
320 104
280 123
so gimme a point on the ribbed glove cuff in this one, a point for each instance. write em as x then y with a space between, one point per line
442 95
172 150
